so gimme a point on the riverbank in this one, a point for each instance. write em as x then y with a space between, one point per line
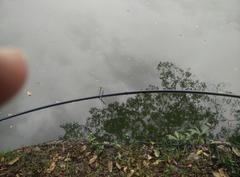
83 158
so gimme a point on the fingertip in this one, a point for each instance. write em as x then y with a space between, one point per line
13 72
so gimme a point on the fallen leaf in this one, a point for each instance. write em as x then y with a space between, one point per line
118 166
156 153
52 167
223 173
146 164
67 159
83 148
220 173
216 174
174 161
110 166
205 148
13 161
236 151
221 147
205 154
93 159
157 162
125 169
131 173
3 169
87 154
62 158
149 157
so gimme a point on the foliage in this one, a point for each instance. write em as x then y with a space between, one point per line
153 116
194 136
235 136
73 130
81 158
184 127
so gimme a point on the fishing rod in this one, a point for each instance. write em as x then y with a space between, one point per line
101 95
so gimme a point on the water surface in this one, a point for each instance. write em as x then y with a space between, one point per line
76 46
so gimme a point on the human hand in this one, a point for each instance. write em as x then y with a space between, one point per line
13 72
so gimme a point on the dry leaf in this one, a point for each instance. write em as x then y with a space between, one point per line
61 158
174 162
13 161
149 157
156 153
157 162
2 169
118 166
110 166
125 169
205 149
83 148
52 167
146 164
216 174
87 154
131 173
67 159
205 154
236 151
223 173
93 159
220 173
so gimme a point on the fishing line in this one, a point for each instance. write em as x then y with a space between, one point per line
119 94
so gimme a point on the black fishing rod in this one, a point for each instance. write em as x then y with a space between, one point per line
100 96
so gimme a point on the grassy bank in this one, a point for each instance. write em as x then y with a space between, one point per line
84 158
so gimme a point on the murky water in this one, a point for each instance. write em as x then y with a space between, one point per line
74 47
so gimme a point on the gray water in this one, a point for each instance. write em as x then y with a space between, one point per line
76 46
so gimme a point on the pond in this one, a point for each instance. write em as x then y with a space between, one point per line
75 47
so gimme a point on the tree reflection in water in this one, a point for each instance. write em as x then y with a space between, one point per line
153 117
